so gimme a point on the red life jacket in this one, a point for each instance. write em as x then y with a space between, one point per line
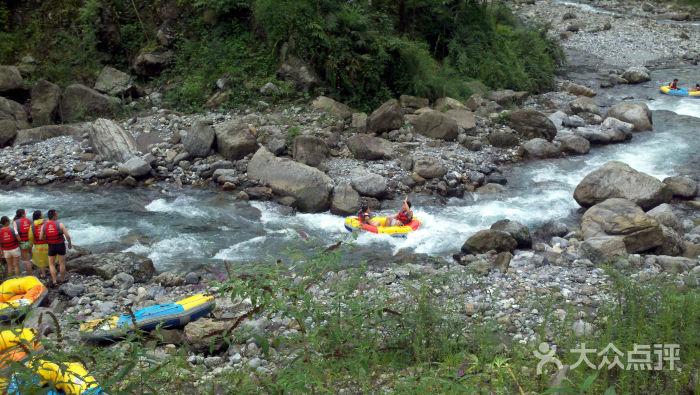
405 217
23 227
36 230
53 232
8 241
673 85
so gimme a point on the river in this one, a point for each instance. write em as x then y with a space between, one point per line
185 229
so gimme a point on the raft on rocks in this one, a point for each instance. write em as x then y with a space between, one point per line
167 315
353 224
18 295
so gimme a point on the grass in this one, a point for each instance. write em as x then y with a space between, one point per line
357 336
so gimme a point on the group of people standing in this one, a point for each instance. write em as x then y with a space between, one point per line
37 242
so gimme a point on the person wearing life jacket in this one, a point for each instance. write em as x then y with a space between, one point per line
40 249
404 217
9 243
365 216
56 235
22 227
673 85
697 88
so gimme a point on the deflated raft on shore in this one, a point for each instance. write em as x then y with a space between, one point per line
167 315
353 223
18 295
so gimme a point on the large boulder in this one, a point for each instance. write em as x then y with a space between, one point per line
602 135
12 118
603 249
672 244
621 217
532 124
152 63
80 102
107 265
682 187
365 146
386 118
197 141
429 167
583 105
518 231
111 141
45 100
539 148
487 240
114 82
412 103
437 125
10 79
206 333
617 125
507 97
335 108
573 143
309 186
136 167
618 180
309 150
503 138
370 184
638 114
234 139
33 135
298 73
578 90
636 75
346 200
664 215
464 118
444 104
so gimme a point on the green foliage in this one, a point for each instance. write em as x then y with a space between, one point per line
292 133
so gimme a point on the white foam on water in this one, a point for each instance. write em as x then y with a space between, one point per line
679 105
173 249
86 234
183 205
322 222
12 200
256 246
139 249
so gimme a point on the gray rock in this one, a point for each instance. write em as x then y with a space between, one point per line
111 141
638 114
532 124
359 121
464 118
584 104
136 167
386 118
107 265
664 215
636 75
107 307
234 140
309 186
113 82
672 243
540 148
573 121
330 106
621 217
682 187
518 231
444 104
578 90
192 278
370 184
12 118
507 97
502 261
437 125
299 73
364 146
269 89
615 124
152 63
72 290
123 280
503 139
212 362
603 249
197 141
618 180
309 150
346 200
80 102
10 79
413 103
487 240
429 167
574 144
45 100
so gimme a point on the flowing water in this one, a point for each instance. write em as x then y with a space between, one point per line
186 229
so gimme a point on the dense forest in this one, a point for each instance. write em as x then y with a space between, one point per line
363 51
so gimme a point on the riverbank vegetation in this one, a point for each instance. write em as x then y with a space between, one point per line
353 336
363 51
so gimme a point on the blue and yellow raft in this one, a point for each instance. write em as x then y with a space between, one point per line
167 315
682 92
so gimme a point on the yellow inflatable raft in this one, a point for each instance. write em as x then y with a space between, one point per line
682 92
18 295
15 346
353 224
